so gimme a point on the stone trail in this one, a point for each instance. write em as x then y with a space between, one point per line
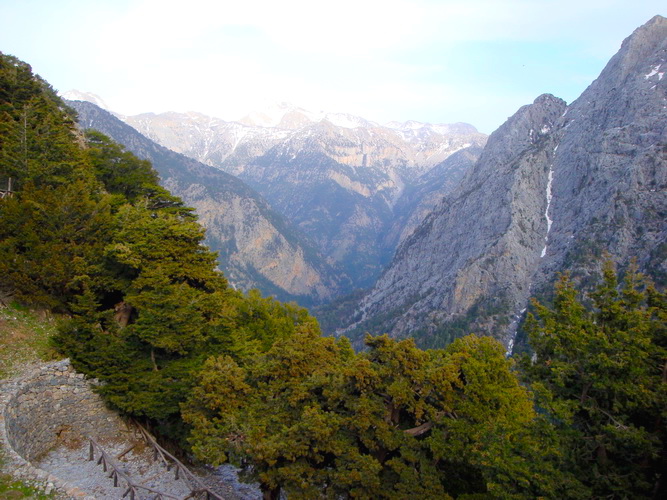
46 418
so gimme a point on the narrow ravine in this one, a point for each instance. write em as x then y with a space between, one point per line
549 195
546 212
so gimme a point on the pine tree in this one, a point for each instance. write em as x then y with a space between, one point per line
315 420
268 413
601 375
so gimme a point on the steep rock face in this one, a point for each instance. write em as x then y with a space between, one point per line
419 200
610 170
553 189
257 247
337 177
483 240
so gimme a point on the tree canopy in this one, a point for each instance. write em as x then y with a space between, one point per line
315 419
601 373
247 379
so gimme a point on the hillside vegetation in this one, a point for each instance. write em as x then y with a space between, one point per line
24 341
24 338
237 377
89 233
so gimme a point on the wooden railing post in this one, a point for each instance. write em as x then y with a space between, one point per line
197 488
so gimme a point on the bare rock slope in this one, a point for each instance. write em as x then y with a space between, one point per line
257 247
555 187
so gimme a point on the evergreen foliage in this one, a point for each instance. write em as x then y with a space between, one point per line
35 128
602 376
316 420
90 233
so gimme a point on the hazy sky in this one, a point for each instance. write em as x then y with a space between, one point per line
439 61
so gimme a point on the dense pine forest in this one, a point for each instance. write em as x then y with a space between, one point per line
232 376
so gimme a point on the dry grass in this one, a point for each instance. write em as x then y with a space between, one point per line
24 341
24 338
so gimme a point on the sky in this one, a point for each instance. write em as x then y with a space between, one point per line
436 61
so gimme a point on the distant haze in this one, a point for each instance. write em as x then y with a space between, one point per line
436 61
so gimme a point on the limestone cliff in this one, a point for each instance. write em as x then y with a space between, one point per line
257 247
337 177
554 188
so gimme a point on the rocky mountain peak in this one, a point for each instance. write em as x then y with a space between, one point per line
525 128
286 116
645 39
647 44
77 95
555 188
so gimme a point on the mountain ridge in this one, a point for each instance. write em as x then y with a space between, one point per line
257 247
339 185
574 181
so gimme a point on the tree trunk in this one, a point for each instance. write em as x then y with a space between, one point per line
270 493
122 314
25 139
601 455
155 368
584 392
420 429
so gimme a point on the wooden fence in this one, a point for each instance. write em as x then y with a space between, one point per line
109 465
198 490
7 193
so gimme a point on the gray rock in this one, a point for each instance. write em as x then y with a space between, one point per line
554 187
258 248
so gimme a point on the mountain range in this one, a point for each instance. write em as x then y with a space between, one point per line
337 177
352 187
557 188
450 231
257 247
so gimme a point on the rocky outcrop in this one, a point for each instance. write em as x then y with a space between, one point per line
554 188
257 247
419 199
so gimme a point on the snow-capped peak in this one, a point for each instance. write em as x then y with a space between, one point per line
77 95
409 125
271 115
348 121
288 116
440 128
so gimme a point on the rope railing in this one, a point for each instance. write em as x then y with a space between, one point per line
117 474
197 487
